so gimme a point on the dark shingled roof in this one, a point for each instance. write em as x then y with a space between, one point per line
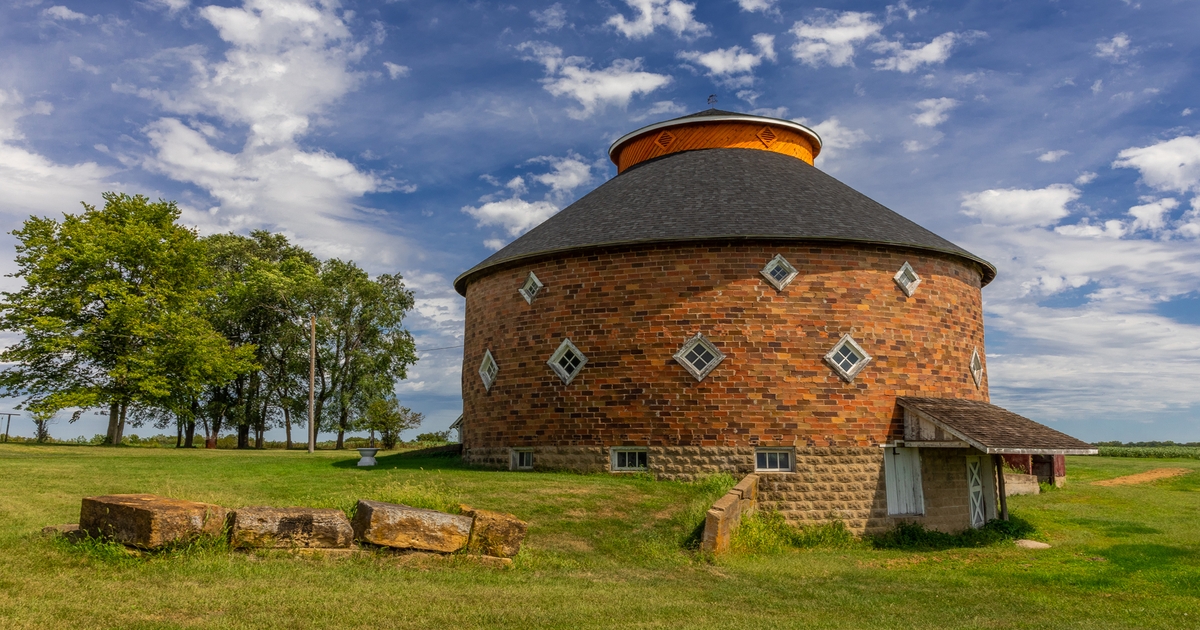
994 429
720 195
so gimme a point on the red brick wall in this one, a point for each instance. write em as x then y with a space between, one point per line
629 310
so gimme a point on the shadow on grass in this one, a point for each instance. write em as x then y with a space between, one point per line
1115 529
436 457
1146 557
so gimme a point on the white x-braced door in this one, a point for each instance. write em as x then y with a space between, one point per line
976 503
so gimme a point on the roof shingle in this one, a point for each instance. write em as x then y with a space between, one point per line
994 429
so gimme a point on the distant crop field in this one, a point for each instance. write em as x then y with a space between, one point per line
1182 452
602 551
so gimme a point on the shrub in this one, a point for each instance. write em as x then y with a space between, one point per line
436 436
767 532
915 537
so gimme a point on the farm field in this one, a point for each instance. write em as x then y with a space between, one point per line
602 551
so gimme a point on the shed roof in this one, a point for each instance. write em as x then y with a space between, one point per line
720 195
993 429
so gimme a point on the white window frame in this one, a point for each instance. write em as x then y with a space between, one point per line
488 376
612 458
976 368
902 477
530 293
787 266
767 450
688 346
515 458
901 278
831 358
563 347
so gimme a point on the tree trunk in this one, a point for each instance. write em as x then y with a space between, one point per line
287 426
189 433
121 423
343 421
178 433
114 411
341 435
243 440
258 438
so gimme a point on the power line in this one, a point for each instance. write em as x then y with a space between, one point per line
443 348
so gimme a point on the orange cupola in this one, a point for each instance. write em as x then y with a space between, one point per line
715 129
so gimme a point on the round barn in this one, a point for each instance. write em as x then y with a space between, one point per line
723 305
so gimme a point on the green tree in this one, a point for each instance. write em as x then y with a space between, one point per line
111 313
386 416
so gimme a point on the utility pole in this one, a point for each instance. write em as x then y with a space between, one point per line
8 424
312 383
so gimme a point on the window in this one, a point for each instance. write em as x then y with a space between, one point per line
699 356
977 368
847 358
522 459
488 370
902 475
628 458
779 272
530 289
773 460
907 279
567 361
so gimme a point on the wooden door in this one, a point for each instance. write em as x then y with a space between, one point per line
976 500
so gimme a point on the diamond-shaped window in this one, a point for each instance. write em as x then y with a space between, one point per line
664 139
779 272
699 356
907 279
977 367
488 370
847 358
530 289
567 361
767 136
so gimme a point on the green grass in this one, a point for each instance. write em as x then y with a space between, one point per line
602 551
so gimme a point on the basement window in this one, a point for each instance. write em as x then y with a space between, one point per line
907 279
488 370
699 356
847 358
628 459
522 459
977 368
567 361
902 476
530 289
779 272
773 460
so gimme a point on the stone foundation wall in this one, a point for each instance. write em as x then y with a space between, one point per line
844 484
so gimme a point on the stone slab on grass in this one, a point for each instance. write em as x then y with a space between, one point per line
495 533
404 527
289 528
1031 544
70 531
149 521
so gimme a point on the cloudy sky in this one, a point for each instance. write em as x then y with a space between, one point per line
1058 139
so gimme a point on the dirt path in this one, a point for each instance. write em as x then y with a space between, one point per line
1145 477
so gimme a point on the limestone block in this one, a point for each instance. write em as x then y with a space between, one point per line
495 533
404 527
149 521
290 528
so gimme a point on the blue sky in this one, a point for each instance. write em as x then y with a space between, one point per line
1059 140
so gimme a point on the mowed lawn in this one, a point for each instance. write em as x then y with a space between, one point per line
602 551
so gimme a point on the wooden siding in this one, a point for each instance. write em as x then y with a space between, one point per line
713 135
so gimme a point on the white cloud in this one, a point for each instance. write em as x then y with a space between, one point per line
35 184
172 6
661 108
933 111
1117 49
835 137
515 215
1085 178
60 12
902 10
396 70
1152 216
569 173
79 65
830 37
762 6
1189 224
1086 229
1172 165
1098 86
906 59
508 211
674 15
1015 206
734 66
551 18
1053 156
593 89
1187 111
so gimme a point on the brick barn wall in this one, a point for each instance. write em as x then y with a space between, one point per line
630 309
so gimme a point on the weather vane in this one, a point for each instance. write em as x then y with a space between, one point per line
712 99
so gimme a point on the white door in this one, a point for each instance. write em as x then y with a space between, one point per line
975 496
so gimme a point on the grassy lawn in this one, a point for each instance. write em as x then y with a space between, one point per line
602 552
